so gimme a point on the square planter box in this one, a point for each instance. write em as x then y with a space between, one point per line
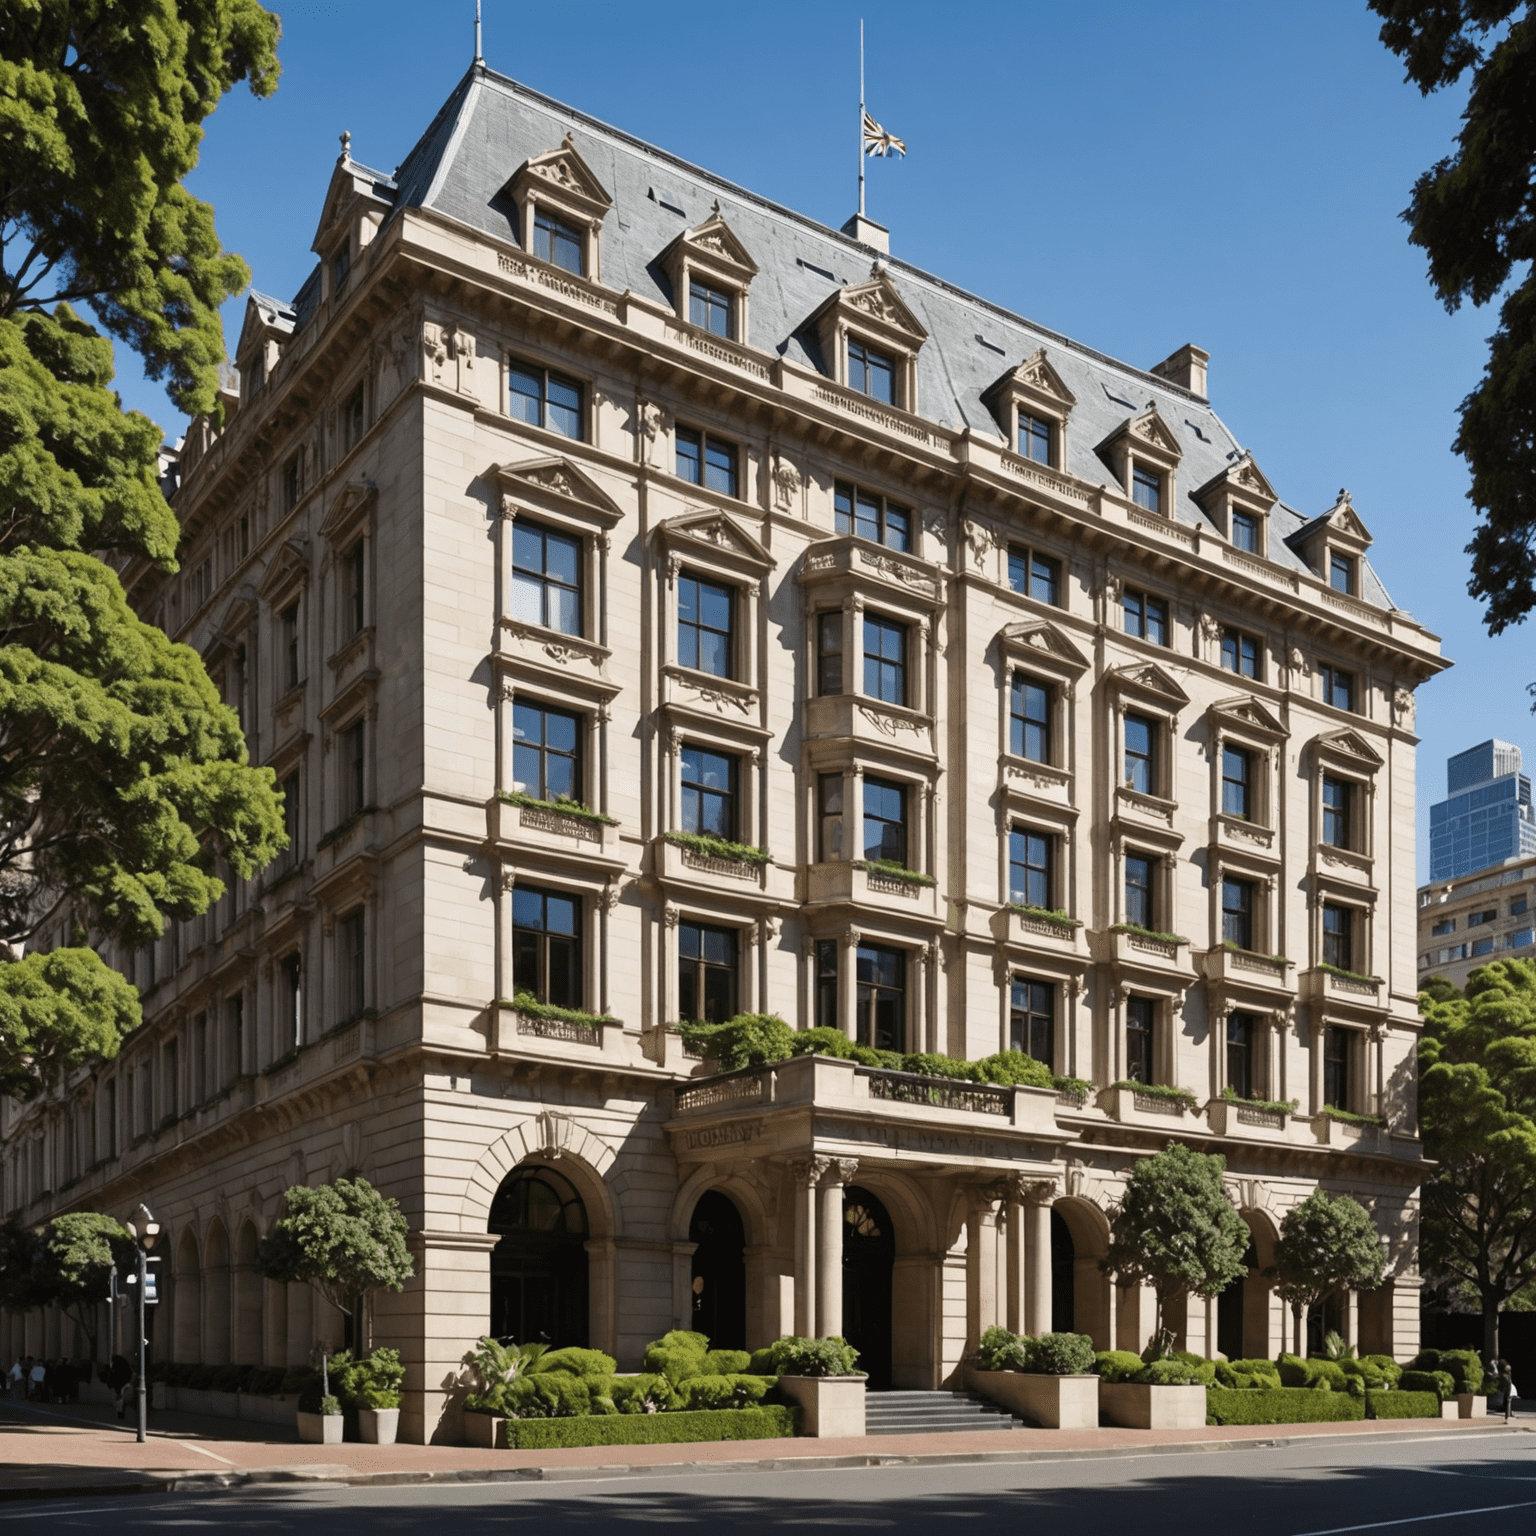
1057 1402
830 1406
319 1428
1142 1407
1450 1409
1471 1405
378 1426
485 1430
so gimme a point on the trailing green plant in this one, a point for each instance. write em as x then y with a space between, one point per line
893 869
1272 1106
1334 970
1055 916
1392 1404
768 1422
747 1040
718 847
1080 1087
1157 1090
1281 1405
561 806
1148 933
1349 1117
526 1002
797 1356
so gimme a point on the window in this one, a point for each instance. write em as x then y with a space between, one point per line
826 984
1035 438
711 309
1140 1022
352 419
881 998
352 589
885 660
1338 936
705 625
341 267
1338 687
1035 575
171 1068
1140 754
1146 488
234 1013
885 821
1520 939
201 1075
1241 654
1032 1019
709 792
292 998
350 999
1341 572
706 973
1337 797
110 1137
1477 919
1241 1029
1237 913
1336 1084
1518 905
1444 926
546 946
1245 531
1146 617
546 752
829 653
291 484
1237 783
1029 719
871 517
291 814
558 242
1481 947
1140 897
288 644
829 799
707 461
546 578
1029 867
350 771
544 399
870 372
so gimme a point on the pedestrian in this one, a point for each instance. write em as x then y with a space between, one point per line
16 1379
1507 1388
119 1378
38 1379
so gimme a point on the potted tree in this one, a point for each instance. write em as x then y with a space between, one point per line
819 1375
1177 1232
345 1240
1048 1380
1327 1243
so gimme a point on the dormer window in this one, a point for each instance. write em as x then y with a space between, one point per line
1342 571
1035 439
557 241
1144 454
869 340
711 309
560 207
1239 501
1031 404
341 265
871 372
1147 488
1245 532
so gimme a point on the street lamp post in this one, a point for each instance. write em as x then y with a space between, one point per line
141 1248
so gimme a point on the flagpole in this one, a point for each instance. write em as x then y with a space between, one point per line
861 117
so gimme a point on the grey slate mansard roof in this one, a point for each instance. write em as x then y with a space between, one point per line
490 125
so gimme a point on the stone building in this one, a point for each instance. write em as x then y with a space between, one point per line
655 604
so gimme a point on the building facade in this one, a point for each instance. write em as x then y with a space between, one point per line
1467 923
656 605
1486 817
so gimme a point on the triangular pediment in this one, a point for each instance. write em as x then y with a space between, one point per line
1036 375
879 300
349 183
1248 714
1350 746
719 531
1149 679
716 243
1150 428
556 477
264 316
1042 639
1244 477
348 506
565 172
1342 518
288 566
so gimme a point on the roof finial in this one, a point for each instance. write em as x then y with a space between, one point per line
346 147
479 57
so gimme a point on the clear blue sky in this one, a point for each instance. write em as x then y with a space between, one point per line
1225 172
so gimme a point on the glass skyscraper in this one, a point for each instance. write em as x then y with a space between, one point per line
1486 816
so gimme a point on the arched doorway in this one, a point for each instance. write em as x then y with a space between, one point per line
1063 1276
719 1271
539 1268
1325 1318
869 1258
1232 1309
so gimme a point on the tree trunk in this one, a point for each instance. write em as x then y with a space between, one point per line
1490 1328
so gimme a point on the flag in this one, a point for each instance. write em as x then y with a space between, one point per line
878 142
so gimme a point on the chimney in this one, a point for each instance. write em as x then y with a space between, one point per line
867 232
1186 367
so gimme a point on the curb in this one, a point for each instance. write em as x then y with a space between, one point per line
273 1477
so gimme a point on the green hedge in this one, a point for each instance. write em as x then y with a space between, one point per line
1402 1405
773 1423
1281 1405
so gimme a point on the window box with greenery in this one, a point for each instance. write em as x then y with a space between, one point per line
708 846
1127 1100
527 1003
889 869
1048 1379
559 807
1037 919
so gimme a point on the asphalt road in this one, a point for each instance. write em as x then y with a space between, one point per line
1435 1486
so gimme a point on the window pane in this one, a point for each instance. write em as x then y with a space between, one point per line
1245 532
1140 737
720 467
1157 621
842 507
867 516
689 456
1018 570
525 396
1044 579
1140 1019
1138 891
1147 489
565 407
1240 1030
829 653
898 528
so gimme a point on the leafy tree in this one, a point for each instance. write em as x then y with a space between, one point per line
123 777
1176 1230
1327 1243
1477 1107
344 1239
65 1263
1474 214
21 1266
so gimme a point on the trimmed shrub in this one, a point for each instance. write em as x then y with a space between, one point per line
737 1390
372 1382
1312 1375
1402 1405
1367 1372
761 1362
1391 1371
232 1378
1464 1368
297 1378
1009 1067
1000 1350
1204 1370
580 1362
1282 1405
648 1392
1441 1383
1059 1354
1116 1364
203 1377
1243 1375
266 1380
677 1355
769 1423
832 1356
727 1362
1173 1373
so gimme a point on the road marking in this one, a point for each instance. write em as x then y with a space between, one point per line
1452 1514
187 1445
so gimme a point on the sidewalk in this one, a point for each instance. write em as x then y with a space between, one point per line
80 1449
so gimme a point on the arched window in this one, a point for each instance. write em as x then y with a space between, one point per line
539 1268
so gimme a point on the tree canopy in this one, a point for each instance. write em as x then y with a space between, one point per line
65 1263
1477 1108
1474 215
124 779
1327 1243
1175 1229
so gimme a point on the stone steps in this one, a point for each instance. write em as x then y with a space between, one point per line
929 1413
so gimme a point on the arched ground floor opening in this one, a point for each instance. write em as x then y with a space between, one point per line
719 1285
869 1261
539 1283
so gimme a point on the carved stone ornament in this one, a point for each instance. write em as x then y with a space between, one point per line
671 915
653 424
1298 662
981 537
435 350
838 1170
549 1133
1210 628
1404 708
786 483
1114 586
809 1171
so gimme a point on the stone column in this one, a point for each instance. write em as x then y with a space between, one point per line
848 982
829 1246
1351 1319
1037 1310
682 1284
804 1176
986 1202
1018 1280
434 1323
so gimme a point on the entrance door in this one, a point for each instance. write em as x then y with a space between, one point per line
1063 1276
1230 1310
539 1268
869 1260
719 1271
